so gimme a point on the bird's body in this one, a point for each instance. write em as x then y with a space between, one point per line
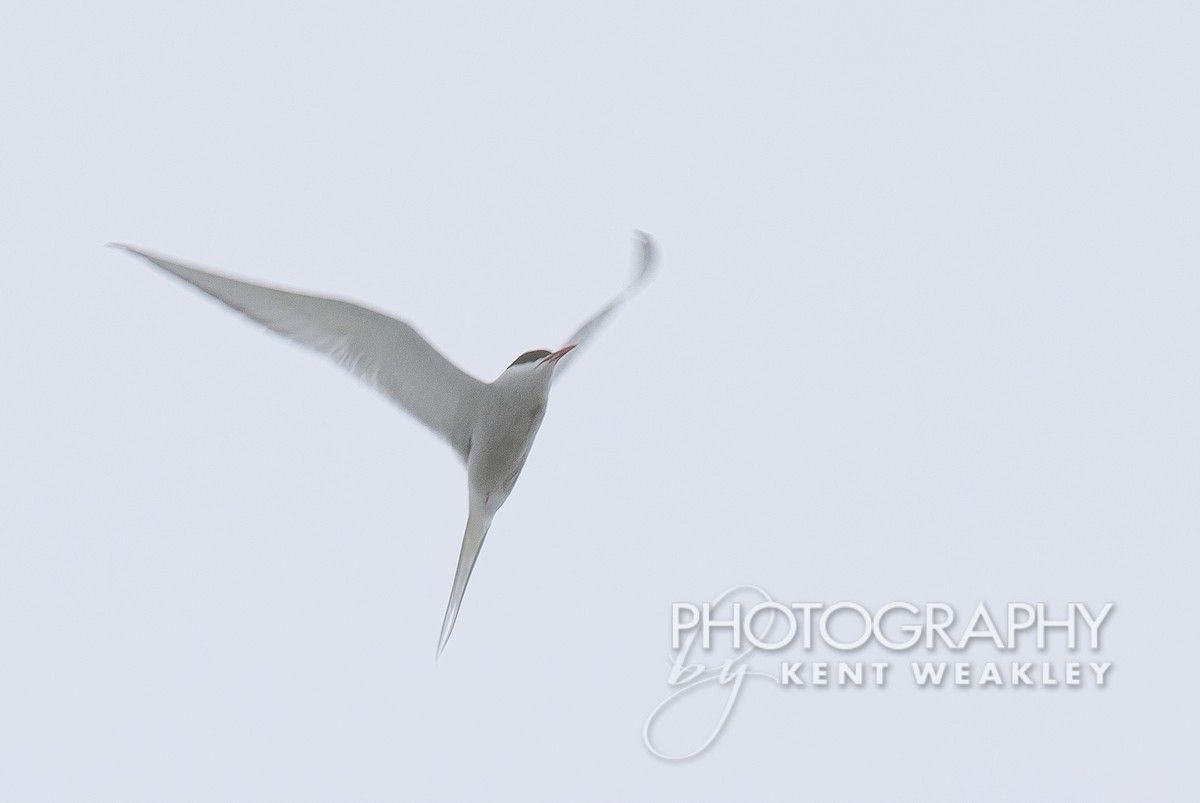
511 411
491 425
508 414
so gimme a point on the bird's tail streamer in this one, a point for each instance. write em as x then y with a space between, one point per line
477 528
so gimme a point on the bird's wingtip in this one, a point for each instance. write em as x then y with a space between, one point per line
127 248
649 251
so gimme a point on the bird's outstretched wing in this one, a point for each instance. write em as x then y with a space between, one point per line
645 260
386 353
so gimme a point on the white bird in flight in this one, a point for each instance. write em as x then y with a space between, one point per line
491 425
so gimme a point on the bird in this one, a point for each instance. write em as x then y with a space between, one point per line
490 425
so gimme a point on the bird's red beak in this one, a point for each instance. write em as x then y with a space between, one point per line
558 355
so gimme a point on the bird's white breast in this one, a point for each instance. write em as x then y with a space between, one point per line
508 421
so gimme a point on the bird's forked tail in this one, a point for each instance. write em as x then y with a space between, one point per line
478 523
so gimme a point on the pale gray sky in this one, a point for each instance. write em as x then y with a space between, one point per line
928 328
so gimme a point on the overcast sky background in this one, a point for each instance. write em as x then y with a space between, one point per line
928 328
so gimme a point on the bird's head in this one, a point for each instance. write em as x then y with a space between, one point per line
537 361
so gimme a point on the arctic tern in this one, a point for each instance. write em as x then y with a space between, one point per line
491 425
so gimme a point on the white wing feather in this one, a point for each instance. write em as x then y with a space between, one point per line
386 353
645 260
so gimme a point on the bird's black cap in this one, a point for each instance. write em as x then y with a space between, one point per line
530 356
